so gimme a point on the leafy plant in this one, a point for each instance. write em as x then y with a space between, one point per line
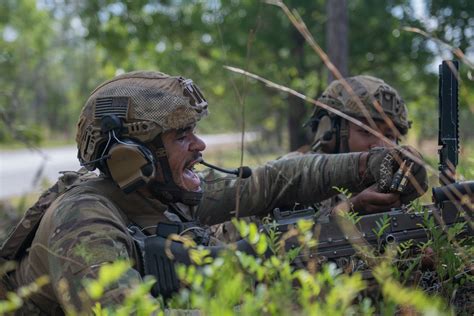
14 300
343 191
382 224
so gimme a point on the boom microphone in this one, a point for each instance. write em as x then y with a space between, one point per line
246 171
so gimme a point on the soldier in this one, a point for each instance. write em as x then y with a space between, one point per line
335 135
138 130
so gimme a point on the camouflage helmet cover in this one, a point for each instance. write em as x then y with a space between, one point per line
368 89
148 103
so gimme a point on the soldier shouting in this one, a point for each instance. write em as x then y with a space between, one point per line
138 131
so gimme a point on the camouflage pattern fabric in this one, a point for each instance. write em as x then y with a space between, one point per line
226 232
86 227
326 206
307 179
81 231
19 237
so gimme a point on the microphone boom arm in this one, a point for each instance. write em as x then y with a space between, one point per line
243 172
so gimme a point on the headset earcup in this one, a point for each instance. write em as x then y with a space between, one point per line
130 165
326 134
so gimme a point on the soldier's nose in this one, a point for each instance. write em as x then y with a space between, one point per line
198 144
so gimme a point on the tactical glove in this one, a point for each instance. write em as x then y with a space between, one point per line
394 171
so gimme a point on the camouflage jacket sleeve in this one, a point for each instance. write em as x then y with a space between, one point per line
84 232
305 179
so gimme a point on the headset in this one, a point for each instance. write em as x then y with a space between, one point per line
328 131
128 162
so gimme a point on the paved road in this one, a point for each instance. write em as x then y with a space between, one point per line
21 171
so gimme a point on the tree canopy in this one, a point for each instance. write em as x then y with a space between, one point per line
55 52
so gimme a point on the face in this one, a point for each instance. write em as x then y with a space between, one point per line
184 151
362 140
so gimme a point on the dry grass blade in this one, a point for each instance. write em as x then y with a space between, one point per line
455 50
241 98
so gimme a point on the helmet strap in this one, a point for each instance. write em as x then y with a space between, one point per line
167 191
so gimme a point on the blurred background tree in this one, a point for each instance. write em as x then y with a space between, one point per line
53 52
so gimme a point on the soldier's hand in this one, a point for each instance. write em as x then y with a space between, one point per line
399 171
371 200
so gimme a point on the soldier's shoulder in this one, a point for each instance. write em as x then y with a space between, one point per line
82 203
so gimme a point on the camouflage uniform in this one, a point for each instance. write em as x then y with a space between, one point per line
227 232
324 207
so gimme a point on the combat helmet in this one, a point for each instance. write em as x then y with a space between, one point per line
120 126
331 129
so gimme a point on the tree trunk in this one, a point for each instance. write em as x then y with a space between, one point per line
337 36
296 117
297 108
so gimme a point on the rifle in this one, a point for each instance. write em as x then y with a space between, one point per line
335 242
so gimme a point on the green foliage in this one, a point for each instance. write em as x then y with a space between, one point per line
107 275
465 168
273 235
52 56
396 294
49 69
138 301
238 283
382 224
452 253
351 215
14 300
46 72
343 191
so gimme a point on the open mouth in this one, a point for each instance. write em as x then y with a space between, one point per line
190 179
